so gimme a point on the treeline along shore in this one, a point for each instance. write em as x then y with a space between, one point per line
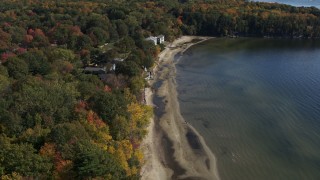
72 74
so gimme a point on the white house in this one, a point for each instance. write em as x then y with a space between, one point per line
153 39
160 39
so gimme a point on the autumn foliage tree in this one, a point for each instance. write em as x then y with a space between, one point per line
5 40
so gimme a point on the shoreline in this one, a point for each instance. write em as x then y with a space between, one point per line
173 149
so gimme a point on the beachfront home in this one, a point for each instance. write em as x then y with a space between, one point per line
95 70
153 39
160 39
118 59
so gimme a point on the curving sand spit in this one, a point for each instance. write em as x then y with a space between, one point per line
173 149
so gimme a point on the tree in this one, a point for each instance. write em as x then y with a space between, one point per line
5 56
35 136
53 101
27 39
137 56
37 62
66 136
83 41
3 71
4 83
63 67
137 84
17 68
139 119
120 128
4 80
97 20
5 40
40 40
91 162
108 105
89 85
148 61
17 34
122 28
61 54
129 68
109 55
60 34
98 36
14 175
114 13
126 44
116 81
22 159
114 36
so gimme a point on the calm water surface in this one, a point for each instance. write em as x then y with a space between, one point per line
257 104
305 3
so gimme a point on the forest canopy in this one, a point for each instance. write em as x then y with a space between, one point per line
57 121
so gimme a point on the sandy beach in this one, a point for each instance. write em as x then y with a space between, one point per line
173 149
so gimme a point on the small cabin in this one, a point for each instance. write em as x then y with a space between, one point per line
95 70
118 59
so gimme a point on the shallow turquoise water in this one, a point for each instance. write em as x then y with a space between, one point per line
257 104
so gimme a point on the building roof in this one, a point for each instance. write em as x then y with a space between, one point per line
161 36
94 69
118 59
152 38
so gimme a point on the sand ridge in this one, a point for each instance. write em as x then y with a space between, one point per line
173 149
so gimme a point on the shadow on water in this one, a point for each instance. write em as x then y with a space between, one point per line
193 140
196 145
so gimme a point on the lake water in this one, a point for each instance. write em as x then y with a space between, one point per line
257 104
305 3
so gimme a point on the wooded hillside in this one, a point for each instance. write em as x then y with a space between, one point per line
57 121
